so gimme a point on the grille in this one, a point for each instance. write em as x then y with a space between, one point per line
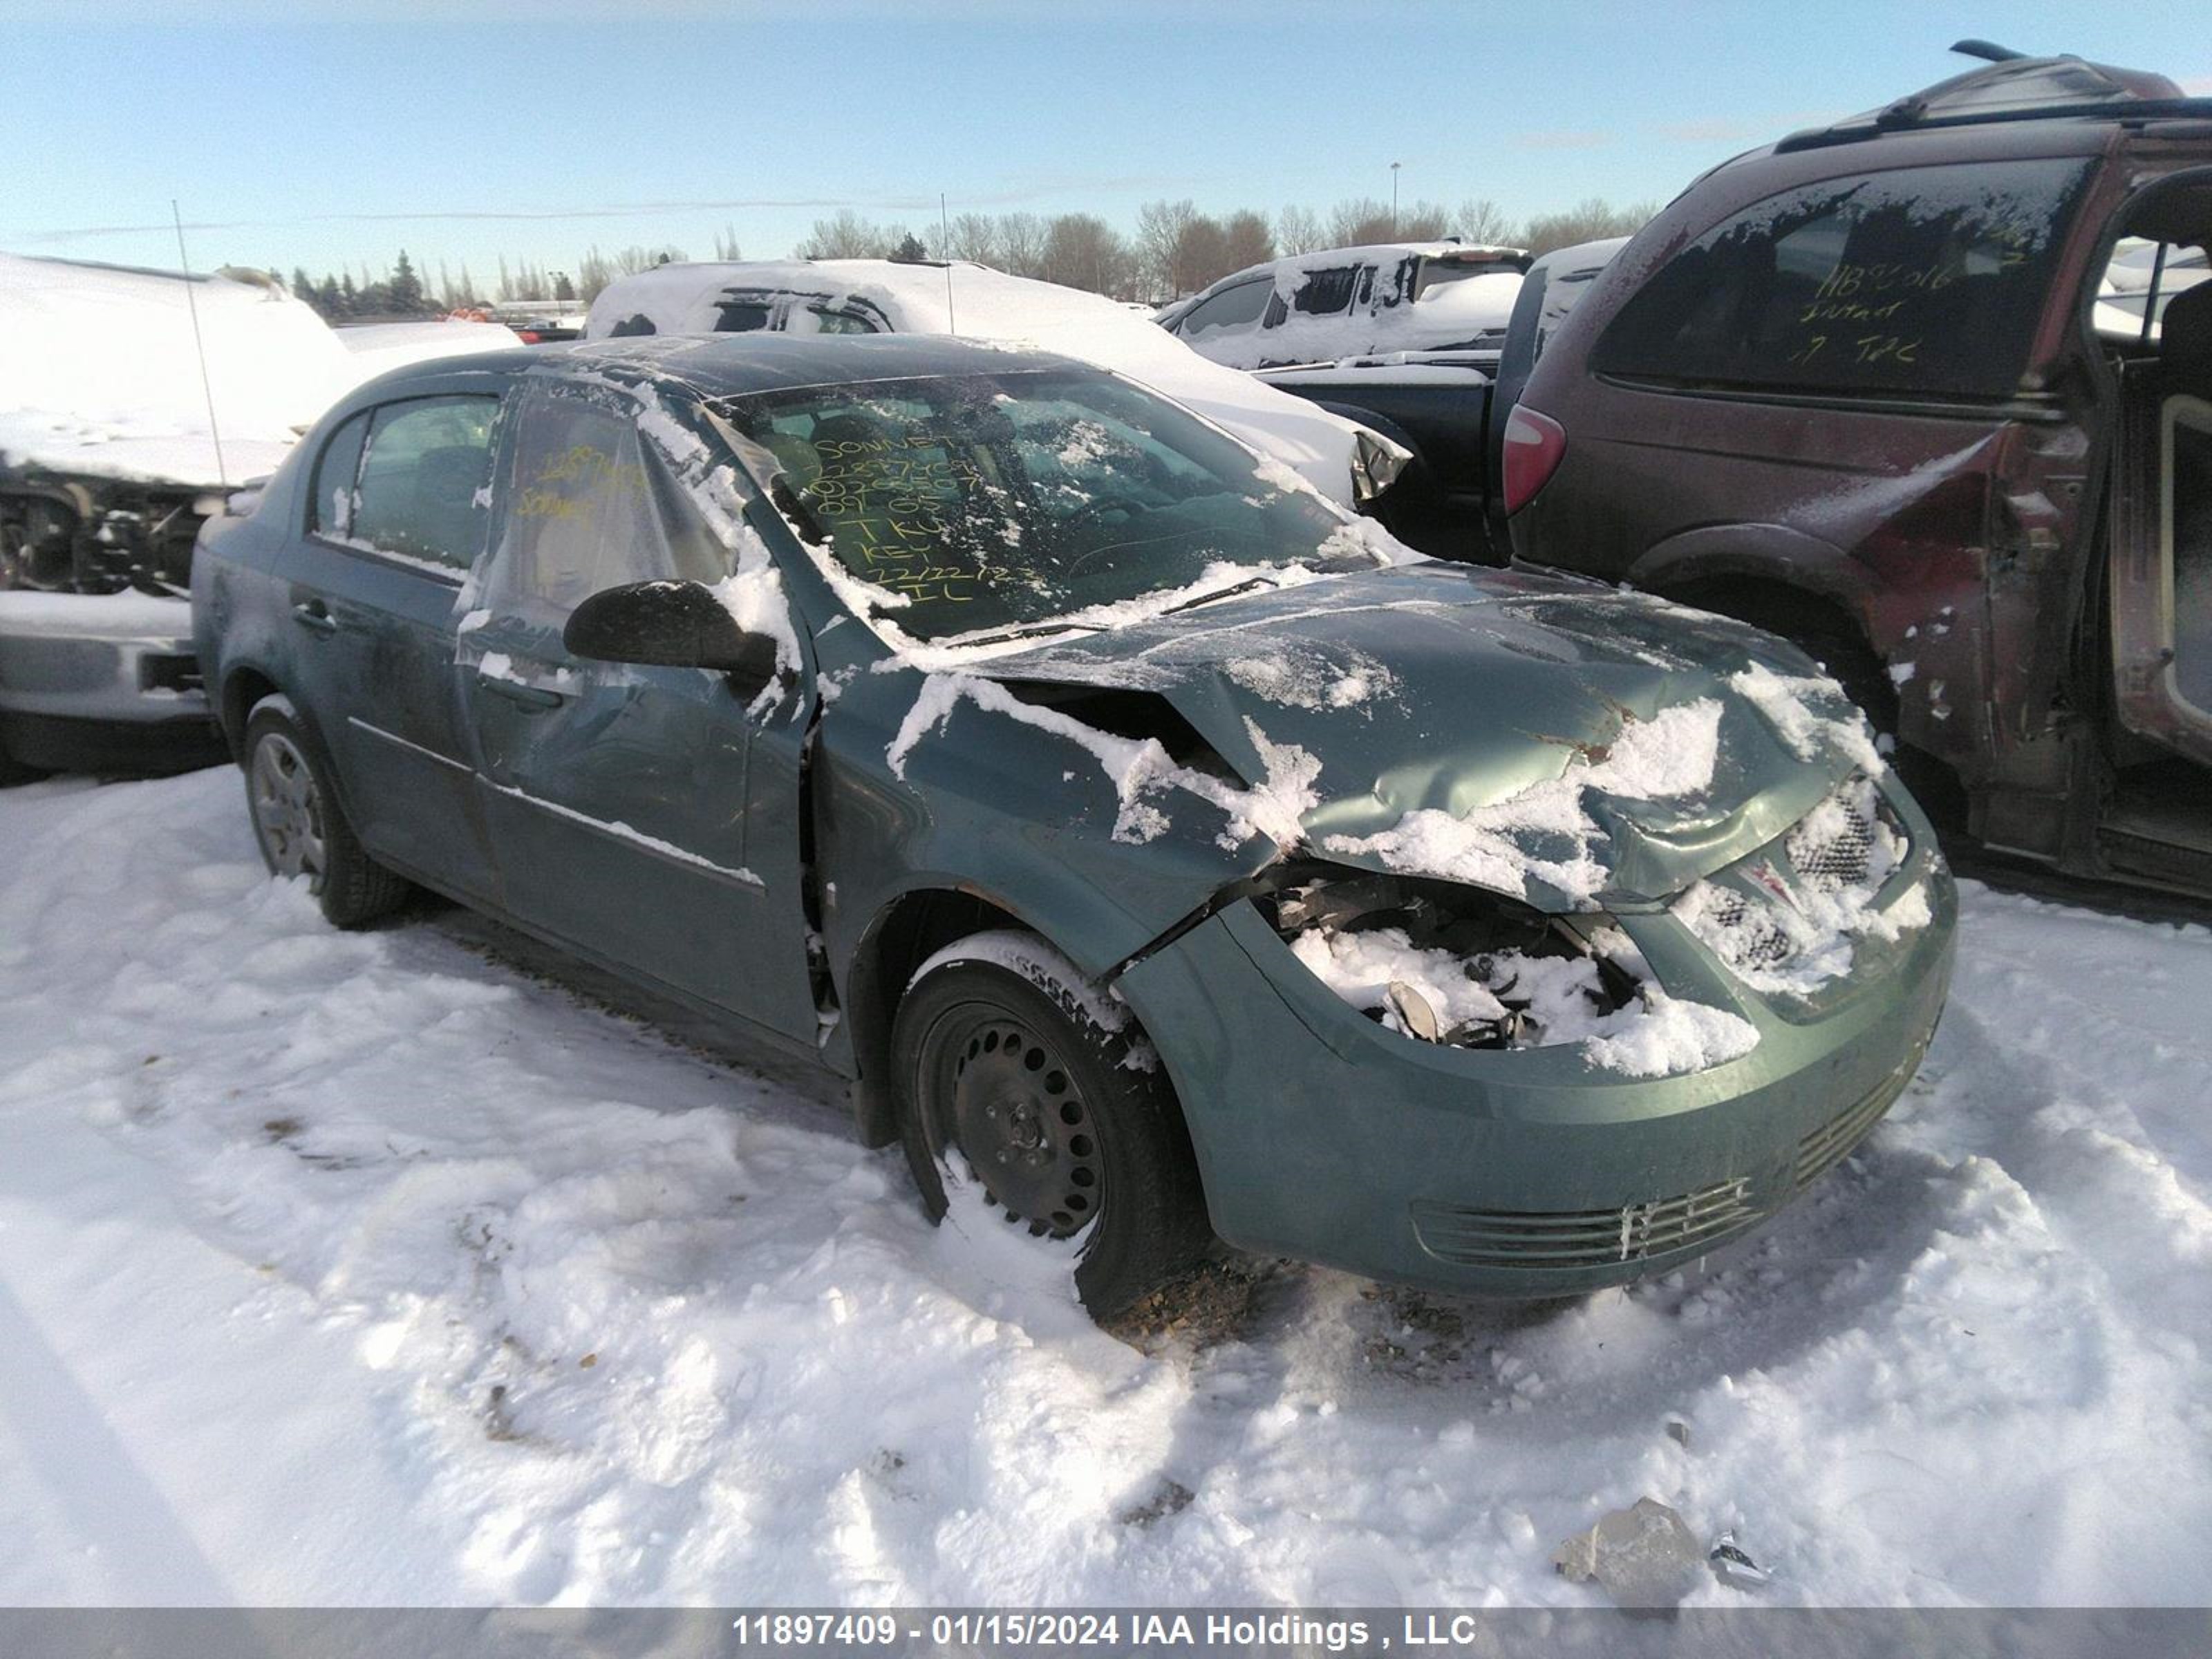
1827 1145
1596 1238
1579 1238
1744 931
1833 847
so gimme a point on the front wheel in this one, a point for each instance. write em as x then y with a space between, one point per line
301 828
1019 1076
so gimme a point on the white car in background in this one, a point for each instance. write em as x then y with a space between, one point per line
108 464
1343 460
1356 302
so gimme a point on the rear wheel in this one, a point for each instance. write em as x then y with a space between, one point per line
301 828
1022 1078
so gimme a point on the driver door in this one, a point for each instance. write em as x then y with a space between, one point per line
640 815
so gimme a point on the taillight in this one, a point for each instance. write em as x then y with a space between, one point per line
1533 447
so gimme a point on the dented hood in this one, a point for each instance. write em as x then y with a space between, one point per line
1510 730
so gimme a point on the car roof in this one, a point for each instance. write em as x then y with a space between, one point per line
737 365
2010 90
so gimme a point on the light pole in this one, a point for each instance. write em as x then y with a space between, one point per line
1395 166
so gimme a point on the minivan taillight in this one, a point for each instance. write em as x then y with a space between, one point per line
1533 447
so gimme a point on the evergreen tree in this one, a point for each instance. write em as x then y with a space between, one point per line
909 248
562 288
402 290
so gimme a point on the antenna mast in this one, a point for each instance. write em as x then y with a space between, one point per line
199 346
945 246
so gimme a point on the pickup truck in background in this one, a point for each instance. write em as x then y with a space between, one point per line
1452 409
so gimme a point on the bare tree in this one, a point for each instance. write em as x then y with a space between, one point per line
1246 241
1358 220
845 236
1297 230
1482 221
726 244
1083 251
1586 221
1021 244
973 236
1160 226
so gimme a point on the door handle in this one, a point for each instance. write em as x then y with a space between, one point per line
314 616
530 696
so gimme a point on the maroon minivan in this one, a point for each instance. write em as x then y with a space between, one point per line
1885 388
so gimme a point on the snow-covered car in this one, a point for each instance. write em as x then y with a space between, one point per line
1349 463
1161 850
114 445
1352 301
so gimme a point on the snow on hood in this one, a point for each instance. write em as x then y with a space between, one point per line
977 302
100 372
1566 745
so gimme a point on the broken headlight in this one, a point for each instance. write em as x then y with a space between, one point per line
1376 464
1454 965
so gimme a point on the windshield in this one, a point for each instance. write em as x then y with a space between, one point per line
999 502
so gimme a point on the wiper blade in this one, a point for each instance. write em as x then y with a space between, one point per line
1244 587
1032 631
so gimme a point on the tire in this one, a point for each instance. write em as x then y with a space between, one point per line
1016 1073
300 826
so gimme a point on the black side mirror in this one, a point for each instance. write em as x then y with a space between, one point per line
672 625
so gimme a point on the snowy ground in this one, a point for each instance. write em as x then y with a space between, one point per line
370 1268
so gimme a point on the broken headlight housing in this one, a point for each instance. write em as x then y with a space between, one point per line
1454 965
1376 464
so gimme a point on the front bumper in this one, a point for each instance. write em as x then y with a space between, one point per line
102 682
1323 1135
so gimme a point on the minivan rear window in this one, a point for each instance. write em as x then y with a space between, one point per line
1925 281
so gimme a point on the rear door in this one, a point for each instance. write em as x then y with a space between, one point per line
397 519
644 816
2162 566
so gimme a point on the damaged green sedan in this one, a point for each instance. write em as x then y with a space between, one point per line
1164 855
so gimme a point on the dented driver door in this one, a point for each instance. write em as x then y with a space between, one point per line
643 816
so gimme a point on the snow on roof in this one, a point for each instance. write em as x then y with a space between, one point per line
100 372
976 302
381 346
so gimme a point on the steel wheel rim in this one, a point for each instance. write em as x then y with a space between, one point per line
1007 1100
287 808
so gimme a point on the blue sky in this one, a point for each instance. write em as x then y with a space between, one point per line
321 134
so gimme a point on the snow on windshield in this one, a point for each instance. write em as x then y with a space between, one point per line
984 504
978 303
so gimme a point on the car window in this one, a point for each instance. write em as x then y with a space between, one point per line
332 500
740 316
985 502
421 494
1924 281
839 322
1325 293
1233 307
587 505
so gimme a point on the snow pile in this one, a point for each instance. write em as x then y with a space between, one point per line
978 303
100 372
1502 845
1139 770
1560 998
381 346
344 1269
